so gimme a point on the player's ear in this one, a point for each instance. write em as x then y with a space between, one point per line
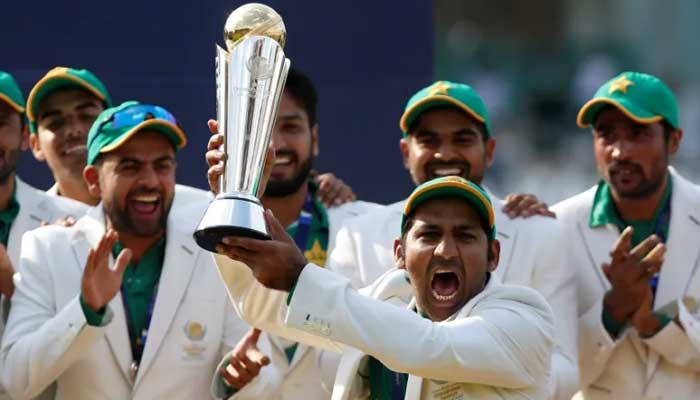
91 176
399 254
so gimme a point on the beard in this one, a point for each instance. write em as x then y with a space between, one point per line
646 186
123 223
281 188
10 165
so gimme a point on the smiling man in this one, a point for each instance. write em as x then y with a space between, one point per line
447 131
633 241
61 108
152 326
449 327
296 199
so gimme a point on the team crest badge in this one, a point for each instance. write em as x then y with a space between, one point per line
195 331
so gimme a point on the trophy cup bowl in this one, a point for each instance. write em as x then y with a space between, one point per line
250 78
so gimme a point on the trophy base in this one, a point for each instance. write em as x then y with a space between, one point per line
231 215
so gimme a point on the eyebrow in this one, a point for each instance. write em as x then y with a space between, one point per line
54 112
291 117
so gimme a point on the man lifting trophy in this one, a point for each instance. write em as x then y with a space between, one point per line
250 78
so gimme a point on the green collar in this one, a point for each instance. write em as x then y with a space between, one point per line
317 242
153 256
318 206
8 215
604 211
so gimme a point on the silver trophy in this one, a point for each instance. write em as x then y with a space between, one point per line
250 77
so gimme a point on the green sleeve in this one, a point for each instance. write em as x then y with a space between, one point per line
94 318
613 327
291 292
664 319
222 388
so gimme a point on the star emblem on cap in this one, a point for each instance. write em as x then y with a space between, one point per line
439 88
621 84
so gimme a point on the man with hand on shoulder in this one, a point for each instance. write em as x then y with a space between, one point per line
440 323
447 131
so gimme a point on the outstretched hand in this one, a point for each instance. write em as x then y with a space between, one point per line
246 361
276 263
100 283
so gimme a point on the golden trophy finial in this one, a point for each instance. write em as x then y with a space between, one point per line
254 19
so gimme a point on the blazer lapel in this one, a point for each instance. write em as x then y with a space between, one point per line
347 373
682 252
90 230
300 352
180 256
32 212
597 243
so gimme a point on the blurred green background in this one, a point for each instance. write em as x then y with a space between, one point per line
535 63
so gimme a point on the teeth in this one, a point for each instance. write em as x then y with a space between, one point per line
146 198
442 270
440 297
447 171
283 160
76 149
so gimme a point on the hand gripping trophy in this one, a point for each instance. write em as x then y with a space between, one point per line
250 77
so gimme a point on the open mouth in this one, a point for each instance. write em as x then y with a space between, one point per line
437 171
79 149
283 160
145 204
444 285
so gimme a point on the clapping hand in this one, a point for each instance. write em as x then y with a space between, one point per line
101 283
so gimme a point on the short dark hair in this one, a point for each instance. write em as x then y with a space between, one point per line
416 120
302 89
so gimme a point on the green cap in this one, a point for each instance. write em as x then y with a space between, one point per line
642 97
452 186
445 93
63 78
10 93
115 126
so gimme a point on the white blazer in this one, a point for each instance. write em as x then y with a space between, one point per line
35 207
497 347
48 339
302 377
667 365
531 255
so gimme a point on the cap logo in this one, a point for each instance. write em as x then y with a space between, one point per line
439 88
621 84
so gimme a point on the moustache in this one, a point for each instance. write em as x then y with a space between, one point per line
617 166
287 153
